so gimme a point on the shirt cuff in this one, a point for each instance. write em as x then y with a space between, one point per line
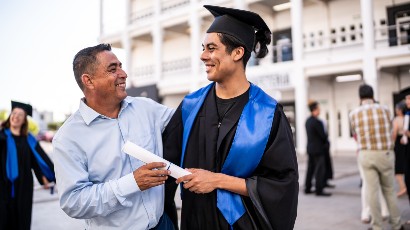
127 185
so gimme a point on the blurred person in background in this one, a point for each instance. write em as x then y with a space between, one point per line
405 141
406 135
371 123
365 212
317 149
20 154
399 147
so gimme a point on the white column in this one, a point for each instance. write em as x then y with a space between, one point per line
370 72
101 17
195 36
126 43
367 24
299 79
297 29
157 36
128 9
332 132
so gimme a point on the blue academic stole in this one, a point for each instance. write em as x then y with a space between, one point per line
248 145
12 168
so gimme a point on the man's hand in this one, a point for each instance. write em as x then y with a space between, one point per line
147 176
200 181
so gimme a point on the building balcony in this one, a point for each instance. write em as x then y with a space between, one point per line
170 5
146 74
176 66
141 15
345 43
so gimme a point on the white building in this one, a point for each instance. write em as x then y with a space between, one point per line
43 118
314 42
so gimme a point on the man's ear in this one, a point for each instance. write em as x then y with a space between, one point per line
238 53
87 81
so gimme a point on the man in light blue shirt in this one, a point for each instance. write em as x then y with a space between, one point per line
96 180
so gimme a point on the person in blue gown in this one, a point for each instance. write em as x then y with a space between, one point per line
20 154
233 137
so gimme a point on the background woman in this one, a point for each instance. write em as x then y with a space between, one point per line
20 153
399 148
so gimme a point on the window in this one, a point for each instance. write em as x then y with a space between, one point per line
282 45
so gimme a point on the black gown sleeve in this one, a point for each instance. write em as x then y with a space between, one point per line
36 167
274 187
3 154
172 142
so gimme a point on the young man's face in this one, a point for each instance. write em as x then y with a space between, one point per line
109 78
219 65
408 101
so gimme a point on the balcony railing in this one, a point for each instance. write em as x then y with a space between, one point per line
141 15
178 65
174 66
143 72
398 35
166 6
333 40
173 4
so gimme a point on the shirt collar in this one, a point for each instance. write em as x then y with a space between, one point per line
125 103
90 114
86 112
367 101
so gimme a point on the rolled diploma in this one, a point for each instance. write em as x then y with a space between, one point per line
148 157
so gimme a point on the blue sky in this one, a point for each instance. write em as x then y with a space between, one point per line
38 42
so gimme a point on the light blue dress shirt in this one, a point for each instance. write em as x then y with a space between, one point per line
95 178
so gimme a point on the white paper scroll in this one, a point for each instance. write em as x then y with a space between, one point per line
404 139
148 157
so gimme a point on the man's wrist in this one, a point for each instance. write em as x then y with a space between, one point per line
127 185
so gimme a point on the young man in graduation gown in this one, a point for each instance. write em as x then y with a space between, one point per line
233 137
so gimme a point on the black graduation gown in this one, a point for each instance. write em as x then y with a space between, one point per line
273 187
15 213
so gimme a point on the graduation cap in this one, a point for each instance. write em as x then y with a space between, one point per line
26 107
241 24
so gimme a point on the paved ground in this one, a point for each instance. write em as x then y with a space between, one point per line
340 211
